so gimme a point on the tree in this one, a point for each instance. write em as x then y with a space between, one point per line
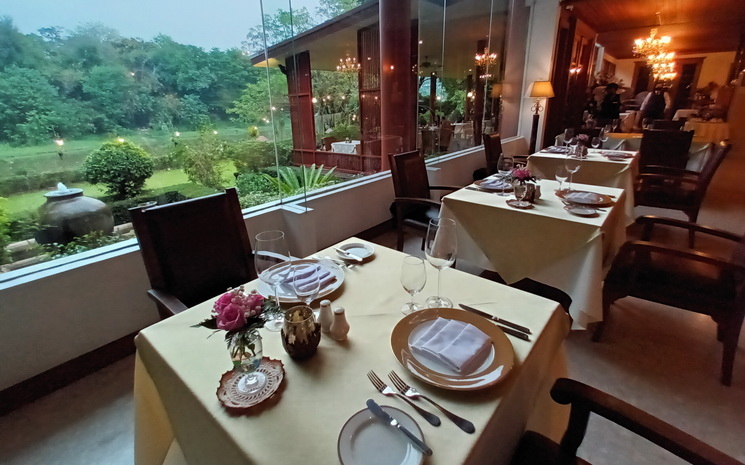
202 158
279 26
329 9
255 103
121 166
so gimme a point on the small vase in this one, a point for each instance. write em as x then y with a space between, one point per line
246 351
300 332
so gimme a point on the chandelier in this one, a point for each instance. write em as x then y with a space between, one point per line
662 66
348 65
651 45
486 58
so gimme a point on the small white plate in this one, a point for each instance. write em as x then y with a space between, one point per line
366 440
580 211
357 248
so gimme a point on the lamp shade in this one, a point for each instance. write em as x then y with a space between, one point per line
496 90
542 89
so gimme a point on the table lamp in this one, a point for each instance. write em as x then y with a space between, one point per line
540 89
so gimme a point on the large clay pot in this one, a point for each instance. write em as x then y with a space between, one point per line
68 214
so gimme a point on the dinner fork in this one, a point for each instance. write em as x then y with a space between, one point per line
412 393
389 391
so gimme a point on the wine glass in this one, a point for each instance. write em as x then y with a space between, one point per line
306 282
561 175
616 123
271 253
440 248
595 142
413 279
521 190
568 136
504 167
572 166
604 133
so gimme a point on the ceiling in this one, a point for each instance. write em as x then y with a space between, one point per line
695 26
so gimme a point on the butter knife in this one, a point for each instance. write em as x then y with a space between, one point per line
380 413
348 254
496 319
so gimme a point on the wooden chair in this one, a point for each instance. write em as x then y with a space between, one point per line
664 147
536 449
492 151
327 141
682 278
667 124
679 189
533 287
193 250
413 204
446 135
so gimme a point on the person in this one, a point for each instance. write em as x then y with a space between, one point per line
655 104
610 107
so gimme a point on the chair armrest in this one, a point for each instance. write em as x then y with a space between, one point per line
585 399
416 201
665 177
445 188
166 301
649 221
659 169
689 254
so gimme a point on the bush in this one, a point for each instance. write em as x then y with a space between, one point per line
122 167
80 244
254 155
290 182
251 182
120 208
256 198
201 158
4 237
344 131
35 181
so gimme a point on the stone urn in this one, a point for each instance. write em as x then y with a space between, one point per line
68 214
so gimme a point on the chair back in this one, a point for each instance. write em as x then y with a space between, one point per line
665 148
492 151
710 167
327 141
667 124
409 175
197 248
590 132
446 135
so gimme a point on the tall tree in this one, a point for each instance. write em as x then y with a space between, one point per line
329 9
279 26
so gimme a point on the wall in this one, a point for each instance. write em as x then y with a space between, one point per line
54 316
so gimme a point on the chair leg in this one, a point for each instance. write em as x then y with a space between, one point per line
608 299
400 239
692 217
731 335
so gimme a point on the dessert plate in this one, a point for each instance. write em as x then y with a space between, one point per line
357 248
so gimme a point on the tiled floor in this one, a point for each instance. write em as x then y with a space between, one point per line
664 360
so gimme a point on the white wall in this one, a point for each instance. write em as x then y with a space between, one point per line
54 316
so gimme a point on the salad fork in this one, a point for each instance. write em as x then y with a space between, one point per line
412 393
389 391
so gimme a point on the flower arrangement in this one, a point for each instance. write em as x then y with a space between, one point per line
583 139
240 314
522 175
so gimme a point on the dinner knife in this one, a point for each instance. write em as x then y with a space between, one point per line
348 254
496 319
380 413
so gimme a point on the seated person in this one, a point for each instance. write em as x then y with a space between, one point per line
610 106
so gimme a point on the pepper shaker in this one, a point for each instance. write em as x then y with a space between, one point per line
326 316
339 327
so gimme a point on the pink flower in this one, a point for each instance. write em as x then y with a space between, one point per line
223 302
583 137
253 304
522 174
231 317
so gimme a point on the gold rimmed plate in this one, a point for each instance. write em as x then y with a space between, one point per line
495 367
489 185
286 292
586 198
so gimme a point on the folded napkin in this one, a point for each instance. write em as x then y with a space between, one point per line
460 346
615 154
495 183
555 149
583 197
303 277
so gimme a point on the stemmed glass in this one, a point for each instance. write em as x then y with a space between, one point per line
306 286
271 253
561 175
595 142
521 190
604 133
607 129
413 279
572 166
504 167
440 248
568 136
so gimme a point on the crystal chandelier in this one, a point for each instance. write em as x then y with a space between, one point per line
662 66
486 58
652 45
348 65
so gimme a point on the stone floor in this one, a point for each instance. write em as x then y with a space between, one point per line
663 360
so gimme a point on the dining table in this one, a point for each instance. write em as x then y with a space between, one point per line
611 168
700 148
179 419
350 146
546 242
709 131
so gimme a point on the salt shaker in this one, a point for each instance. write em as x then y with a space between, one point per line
339 327
326 316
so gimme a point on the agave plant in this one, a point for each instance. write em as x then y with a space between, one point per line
311 177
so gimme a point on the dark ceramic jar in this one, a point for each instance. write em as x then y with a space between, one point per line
68 214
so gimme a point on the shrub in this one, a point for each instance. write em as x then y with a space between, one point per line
201 158
4 237
345 131
256 198
251 182
80 244
122 167
289 183
253 155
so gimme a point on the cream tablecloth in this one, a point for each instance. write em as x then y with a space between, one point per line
546 243
345 147
710 131
179 419
596 170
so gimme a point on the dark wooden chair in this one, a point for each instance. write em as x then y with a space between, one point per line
492 151
667 124
446 135
679 189
193 250
536 449
663 147
682 278
327 141
534 287
413 206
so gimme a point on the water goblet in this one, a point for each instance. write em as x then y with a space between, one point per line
607 129
572 166
413 279
504 167
521 190
273 264
306 283
440 248
561 175
568 135
604 134
595 142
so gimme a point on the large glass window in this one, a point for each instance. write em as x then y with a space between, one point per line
159 101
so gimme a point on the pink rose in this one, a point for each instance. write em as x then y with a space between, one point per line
253 304
223 302
231 317
522 173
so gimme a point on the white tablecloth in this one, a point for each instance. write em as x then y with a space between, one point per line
545 243
684 113
700 147
178 418
345 147
596 170
709 131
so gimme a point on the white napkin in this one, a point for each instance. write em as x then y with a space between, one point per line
582 197
306 276
460 346
495 183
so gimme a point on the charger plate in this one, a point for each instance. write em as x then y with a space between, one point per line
495 368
